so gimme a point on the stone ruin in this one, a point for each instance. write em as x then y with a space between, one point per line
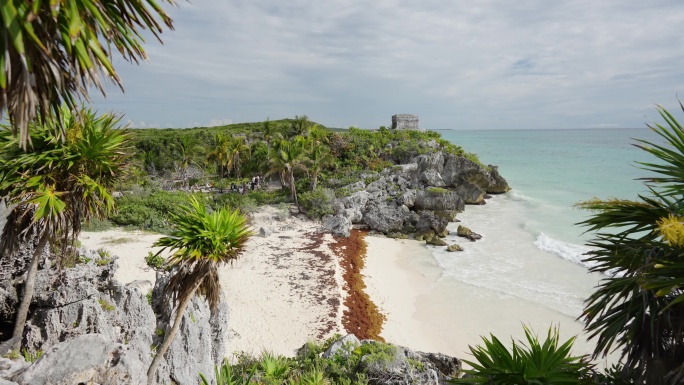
405 122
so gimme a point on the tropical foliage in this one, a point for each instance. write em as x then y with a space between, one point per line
638 309
54 51
201 241
537 363
58 183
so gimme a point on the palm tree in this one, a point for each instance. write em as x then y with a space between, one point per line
202 242
57 184
319 158
219 155
270 133
238 149
184 150
284 159
53 51
639 308
299 126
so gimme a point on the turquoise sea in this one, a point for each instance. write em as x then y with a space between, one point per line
528 267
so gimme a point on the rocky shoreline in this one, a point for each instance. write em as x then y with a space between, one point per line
416 199
93 328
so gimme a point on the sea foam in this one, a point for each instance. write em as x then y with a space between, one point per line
568 251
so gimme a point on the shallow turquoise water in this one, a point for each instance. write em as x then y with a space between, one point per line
551 170
528 266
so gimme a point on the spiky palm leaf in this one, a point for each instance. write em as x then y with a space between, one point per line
202 242
59 182
639 308
53 51
547 363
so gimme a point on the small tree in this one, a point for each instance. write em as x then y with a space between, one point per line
54 51
57 184
639 307
285 158
202 242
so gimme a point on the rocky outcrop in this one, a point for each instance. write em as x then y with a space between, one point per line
201 340
390 364
84 309
86 359
338 225
467 233
454 247
385 218
395 200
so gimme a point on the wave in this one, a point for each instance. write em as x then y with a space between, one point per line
568 251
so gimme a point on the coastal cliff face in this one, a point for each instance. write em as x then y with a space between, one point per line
92 328
407 198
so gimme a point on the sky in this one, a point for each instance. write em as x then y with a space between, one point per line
476 64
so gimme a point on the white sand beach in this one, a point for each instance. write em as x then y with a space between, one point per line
286 289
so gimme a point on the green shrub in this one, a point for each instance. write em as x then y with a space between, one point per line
106 306
317 203
31 356
539 363
437 190
156 262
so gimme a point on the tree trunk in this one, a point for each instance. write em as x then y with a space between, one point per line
293 188
29 288
314 181
169 337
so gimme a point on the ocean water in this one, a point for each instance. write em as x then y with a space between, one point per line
528 268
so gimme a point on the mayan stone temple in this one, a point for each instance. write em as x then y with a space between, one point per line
405 122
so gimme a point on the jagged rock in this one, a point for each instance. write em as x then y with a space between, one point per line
449 215
443 233
429 220
497 184
398 365
354 215
471 179
357 200
438 199
424 235
6 346
338 225
342 347
465 232
11 368
436 241
445 365
89 358
265 232
431 162
338 208
432 178
407 198
454 247
384 218
5 382
86 300
201 340
397 235
471 193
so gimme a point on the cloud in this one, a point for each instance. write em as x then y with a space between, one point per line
525 64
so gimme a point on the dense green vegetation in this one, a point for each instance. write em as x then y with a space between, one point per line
351 365
300 159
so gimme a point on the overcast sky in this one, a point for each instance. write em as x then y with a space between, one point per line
457 64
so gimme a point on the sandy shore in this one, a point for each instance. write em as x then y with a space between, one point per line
396 286
284 290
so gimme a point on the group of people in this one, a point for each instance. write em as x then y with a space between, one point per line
243 188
